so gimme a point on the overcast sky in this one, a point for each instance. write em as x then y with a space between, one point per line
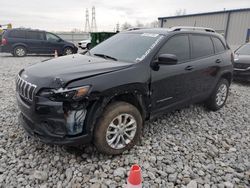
62 15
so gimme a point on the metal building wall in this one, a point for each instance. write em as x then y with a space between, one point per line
237 29
233 24
215 21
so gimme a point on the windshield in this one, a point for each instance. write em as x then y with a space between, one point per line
129 47
244 50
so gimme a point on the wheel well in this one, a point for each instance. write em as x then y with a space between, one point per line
68 47
228 77
22 45
135 100
19 45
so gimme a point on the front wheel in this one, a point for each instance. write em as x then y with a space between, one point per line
67 51
218 98
118 129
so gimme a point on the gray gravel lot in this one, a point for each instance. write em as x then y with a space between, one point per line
190 147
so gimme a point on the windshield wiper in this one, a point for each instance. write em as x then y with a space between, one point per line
105 56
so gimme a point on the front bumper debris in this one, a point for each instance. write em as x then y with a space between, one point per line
46 121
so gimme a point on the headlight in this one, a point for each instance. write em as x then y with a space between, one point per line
236 59
66 94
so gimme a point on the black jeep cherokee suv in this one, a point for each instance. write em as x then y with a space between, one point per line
105 96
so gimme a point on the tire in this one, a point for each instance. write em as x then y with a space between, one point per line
219 96
111 114
67 51
20 51
88 46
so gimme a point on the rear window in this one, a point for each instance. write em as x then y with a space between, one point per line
35 35
218 45
16 34
202 46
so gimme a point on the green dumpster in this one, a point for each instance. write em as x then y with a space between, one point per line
98 37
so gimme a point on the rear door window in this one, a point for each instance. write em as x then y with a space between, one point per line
35 35
179 46
202 46
218 45
17 34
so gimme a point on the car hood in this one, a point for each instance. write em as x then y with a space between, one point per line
85 41
59 71
242 59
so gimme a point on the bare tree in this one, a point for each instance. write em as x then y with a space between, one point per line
180 12
126 25
139 24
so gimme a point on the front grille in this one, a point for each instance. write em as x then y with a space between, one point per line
241 65
25 89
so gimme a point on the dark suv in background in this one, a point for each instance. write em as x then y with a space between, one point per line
21 42
106 95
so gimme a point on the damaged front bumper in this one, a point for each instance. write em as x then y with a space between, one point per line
48 122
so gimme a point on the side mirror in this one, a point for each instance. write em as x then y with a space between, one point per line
59 40
167 59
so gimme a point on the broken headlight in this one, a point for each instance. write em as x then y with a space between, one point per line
66 94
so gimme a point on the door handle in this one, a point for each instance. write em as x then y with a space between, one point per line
217 61
189 68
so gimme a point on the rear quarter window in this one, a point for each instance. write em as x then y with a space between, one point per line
218 45
16 34
202 46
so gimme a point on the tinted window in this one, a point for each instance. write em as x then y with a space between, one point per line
179 46
52 37
17 34
35 35
218 45
202 46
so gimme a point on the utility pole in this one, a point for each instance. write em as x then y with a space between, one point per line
87 26
117 27
93 21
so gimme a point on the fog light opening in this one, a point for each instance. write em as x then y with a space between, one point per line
75 121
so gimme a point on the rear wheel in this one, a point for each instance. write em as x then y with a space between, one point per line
118 129
218 98
67 51
20 51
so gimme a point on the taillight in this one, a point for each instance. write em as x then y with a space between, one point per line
4 41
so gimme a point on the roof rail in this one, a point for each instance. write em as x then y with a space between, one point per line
135 28
188 28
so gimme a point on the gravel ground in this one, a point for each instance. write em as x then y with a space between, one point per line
190 147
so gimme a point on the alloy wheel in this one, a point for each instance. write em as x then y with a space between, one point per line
221 95
20 52
121 131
